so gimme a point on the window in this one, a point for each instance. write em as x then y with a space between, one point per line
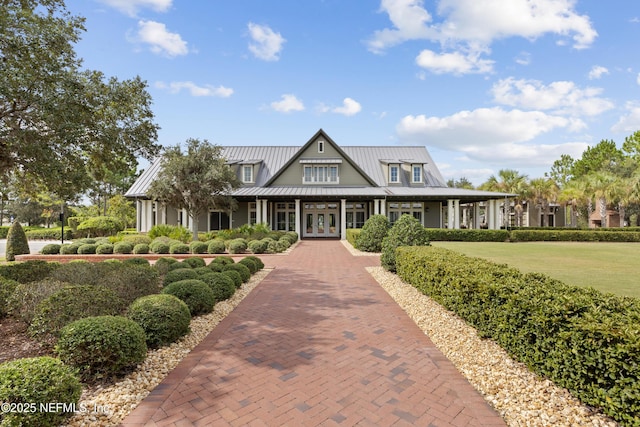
320 174
247 173
320 146
355 215
416 175
394 175
285 216
253 219
396 210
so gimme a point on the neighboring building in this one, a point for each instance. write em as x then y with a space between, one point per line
321 189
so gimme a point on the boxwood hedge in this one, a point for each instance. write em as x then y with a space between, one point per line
581 339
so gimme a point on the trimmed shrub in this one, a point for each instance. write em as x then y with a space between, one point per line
467 235
235 276
223 260
28 271
7 287
141 249
71 303
137 261
24 300
251 264
272 246
257 246
179 248
216 266
102 347
293 236
178 265
244 271
162 264
257 261
282 245
195 293
175 232
50 249
216 246
104 249
137 239
159 247
100 226
195 262
123 248
69 249
164 318
128 281
407 231
180 274
237 246
374 230
35 381
17 243
87 249
53 233
222 285
198 247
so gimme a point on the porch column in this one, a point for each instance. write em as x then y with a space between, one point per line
490 217
465 214
343 219
138 216
258 212
265 212
148 214
376 206
450 214
297 230
456 213
383 206
498 214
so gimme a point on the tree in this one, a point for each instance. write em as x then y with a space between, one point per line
603 157
197 180
58 123
544 191
513 182
123 209
561 170
461 183
601 185
573 194
17 243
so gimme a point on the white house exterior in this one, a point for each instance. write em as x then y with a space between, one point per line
321 189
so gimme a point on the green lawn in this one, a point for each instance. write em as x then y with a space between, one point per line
609 267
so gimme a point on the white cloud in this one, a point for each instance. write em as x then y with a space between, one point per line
161 41
195 90
638 79
597 72
349 107
630 122
524 58
287 104
525 154
267 44
410 20
131 7
455 63
561 97
484 127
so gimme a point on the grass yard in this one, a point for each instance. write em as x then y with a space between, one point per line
608 267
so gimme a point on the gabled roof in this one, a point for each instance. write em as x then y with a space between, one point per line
327 139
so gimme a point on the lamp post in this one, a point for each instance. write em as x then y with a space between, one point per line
62 223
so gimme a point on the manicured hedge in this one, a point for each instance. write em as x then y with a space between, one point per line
569 235
581 339
467 235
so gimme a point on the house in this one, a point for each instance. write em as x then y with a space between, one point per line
321 189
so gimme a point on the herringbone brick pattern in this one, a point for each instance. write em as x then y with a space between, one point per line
317 343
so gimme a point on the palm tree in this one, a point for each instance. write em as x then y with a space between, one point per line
544 191
573 194
513 182
602 187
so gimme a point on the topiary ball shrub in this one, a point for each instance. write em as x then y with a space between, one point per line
244 271
374 230
50 249
251 264
104 249
179 248
28 271
407 231
198 247
178 265
162 264
216 266
257 246
222 285
235 276
282 245
141 249
17 243
180 274
137 239
164 318
123 248
69 249
158 247
195 293
70 303
137 261
7 287
216 246
257 261
195 262
237 246
272 246
35 381
87 249
224 260
102 347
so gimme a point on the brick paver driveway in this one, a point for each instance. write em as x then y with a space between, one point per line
318 342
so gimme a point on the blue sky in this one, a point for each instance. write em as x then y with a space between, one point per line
483 84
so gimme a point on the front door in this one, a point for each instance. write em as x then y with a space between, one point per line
321 220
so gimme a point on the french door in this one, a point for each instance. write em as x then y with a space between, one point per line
321 220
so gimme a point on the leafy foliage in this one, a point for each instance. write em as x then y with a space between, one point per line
407 231
374 230
7 287
17 243
34 381
195 293
216 246
164 318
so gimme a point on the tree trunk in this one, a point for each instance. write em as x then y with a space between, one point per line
603 211
194 226
622 212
